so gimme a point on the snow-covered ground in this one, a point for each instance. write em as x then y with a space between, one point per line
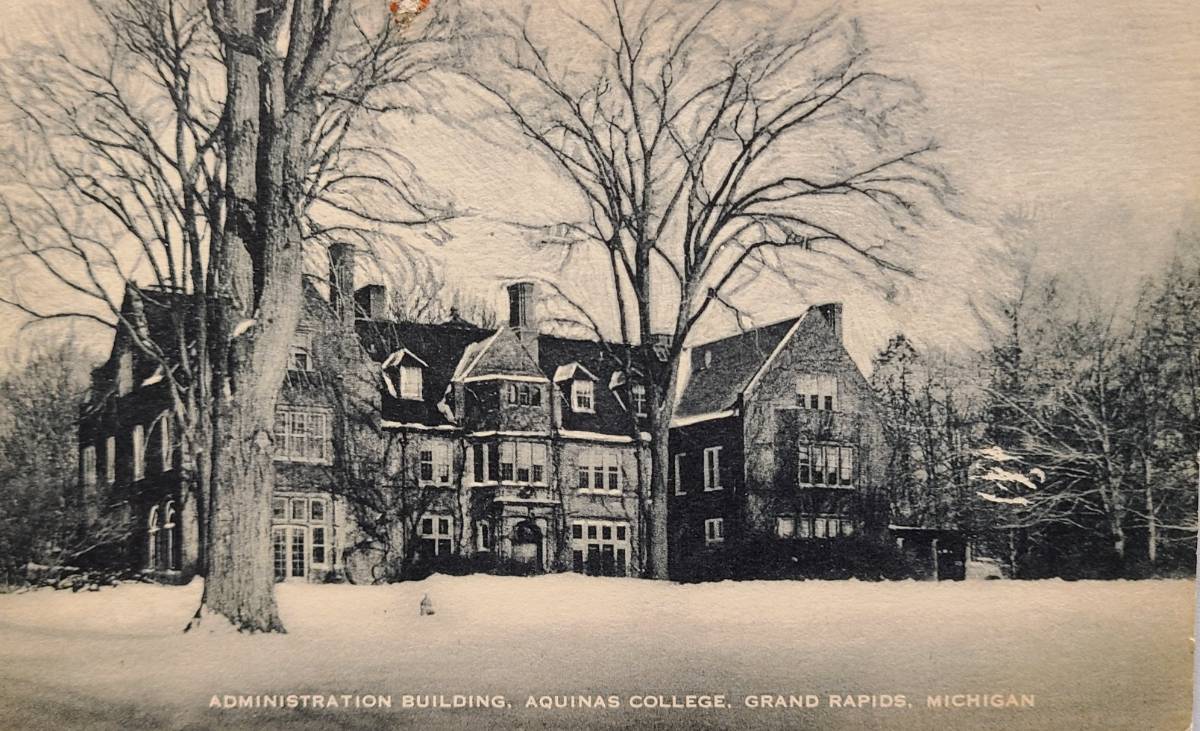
1094 655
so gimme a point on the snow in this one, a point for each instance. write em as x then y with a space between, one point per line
1095 654
241 328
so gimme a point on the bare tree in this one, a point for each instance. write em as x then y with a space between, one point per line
703 155
208 148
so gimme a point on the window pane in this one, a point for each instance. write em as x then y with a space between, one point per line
279 509
427 526
444 526
299 509
591 532
577 531
847 465
318 510
785 527
620 532
831 465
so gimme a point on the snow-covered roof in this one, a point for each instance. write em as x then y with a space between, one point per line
570 371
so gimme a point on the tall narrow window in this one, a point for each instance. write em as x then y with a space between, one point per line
679 473
139 452
166 446
712 468
87 462
110 460
427 464
483 535
478 462
125 373
152 555
318 546
507 461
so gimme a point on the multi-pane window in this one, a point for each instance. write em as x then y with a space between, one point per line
583 396
600 547
436 536
599 470
638 395
87 462
301 535
166 447
318 546
824 526
830 465
110 460
524 394
714 530
678 473
523 462
139 452
712 468
435 463
817 391
302 435
411 378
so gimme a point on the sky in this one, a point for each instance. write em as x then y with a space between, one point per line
1068 127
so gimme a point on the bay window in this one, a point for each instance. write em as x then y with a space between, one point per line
828 465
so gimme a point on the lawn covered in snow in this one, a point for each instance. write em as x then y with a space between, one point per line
1093 654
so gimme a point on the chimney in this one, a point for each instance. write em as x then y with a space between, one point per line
832 312
522 314
371 302
341 282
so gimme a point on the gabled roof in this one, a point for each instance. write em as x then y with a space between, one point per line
732 364
573 371
439 346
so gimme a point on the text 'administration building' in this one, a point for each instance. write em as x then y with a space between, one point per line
401 442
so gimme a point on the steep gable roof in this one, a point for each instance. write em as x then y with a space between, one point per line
723 369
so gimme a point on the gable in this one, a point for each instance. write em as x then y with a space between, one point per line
722 369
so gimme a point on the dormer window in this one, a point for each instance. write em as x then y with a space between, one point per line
583 386
583 396
637 394
404 375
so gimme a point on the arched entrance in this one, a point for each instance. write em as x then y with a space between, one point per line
527 545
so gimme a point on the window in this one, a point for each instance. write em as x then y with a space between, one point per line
785 526
318 546
139 452
167 536
603 552
435 463
829 465
436 538
678 473
638 394
712 468
299 509
583 396
524 394
714 531
316 510
300 359
302 436
279 509
410 382
166 447
87 466
599 471
478 462
110 460
817 391
515 462
484 539
152 539
824 526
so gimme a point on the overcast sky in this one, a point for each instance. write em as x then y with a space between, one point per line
1078 117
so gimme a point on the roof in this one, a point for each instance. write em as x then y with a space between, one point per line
439 346
732 363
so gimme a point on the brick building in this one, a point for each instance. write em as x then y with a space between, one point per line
402 442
